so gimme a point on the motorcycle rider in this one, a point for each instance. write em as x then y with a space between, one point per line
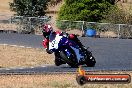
47 29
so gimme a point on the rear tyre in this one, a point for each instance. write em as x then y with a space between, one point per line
91 62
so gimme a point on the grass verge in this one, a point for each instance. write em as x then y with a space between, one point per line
53 81
23 57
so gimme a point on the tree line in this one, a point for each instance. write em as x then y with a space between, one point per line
74 10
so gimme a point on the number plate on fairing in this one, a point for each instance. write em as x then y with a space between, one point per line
54 43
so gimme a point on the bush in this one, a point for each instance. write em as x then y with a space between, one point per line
84 10
117 16
29 7
63 25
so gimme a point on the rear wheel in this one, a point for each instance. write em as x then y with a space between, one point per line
90 60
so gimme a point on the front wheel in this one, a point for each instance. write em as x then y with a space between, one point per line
69 60
58 60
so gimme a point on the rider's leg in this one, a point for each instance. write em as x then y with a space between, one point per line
75 39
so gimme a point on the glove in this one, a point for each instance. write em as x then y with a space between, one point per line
64 34
71 36
49 51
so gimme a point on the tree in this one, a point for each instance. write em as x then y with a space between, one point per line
112 1
29 7
54 2
85 10
118 16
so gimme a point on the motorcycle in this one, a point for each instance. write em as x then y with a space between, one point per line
68 52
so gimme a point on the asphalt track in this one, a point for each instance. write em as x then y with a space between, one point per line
111 54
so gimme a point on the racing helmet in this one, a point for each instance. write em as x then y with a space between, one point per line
46 29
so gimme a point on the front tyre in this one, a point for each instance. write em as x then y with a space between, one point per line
71 61
58 60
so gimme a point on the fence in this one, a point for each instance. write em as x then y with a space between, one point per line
103 29
24 25
29 25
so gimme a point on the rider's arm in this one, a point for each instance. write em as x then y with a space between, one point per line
58 32
45 43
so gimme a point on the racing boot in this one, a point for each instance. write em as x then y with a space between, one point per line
74 38
81 46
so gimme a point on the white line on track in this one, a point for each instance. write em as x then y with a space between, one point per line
7 69
32 67
43 66
12 68
21 68
16 46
